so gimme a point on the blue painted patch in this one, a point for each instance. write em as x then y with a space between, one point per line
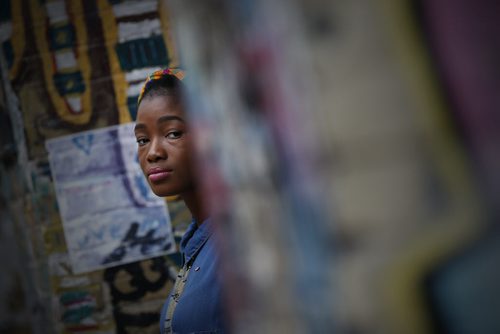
84 142
143 52
62 37
67 83
132 106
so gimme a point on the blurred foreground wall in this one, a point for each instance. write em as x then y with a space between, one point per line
348 150
350 154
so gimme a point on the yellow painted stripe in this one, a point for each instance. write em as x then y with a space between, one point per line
40 20
167 31
17 39
462 221
118 76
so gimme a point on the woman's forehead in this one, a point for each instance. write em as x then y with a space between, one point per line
160 105
158 110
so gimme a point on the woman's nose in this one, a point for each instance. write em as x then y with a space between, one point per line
156 151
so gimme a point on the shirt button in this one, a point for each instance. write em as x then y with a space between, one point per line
197 268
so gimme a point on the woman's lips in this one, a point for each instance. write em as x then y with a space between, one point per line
156 175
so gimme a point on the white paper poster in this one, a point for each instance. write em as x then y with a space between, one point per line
109 213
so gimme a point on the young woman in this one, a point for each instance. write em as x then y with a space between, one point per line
165 149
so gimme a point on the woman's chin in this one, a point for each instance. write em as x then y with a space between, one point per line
163 192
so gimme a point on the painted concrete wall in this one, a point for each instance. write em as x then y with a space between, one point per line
71 66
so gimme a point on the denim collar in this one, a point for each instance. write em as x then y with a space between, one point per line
194 238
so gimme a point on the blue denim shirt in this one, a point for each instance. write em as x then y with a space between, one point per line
200 307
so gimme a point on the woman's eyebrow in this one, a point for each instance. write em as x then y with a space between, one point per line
139 126
167 118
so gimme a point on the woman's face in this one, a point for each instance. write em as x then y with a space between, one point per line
164 145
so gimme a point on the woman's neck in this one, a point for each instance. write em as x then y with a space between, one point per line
195 205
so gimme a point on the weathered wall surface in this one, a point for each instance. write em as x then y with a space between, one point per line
70 66
369 127
350 150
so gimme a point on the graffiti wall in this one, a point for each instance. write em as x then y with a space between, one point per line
69 67
369 127
349 152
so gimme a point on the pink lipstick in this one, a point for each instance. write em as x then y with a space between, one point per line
158 174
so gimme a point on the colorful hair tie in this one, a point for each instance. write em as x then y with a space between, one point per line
156 75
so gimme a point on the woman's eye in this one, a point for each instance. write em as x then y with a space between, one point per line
174 134
141 141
